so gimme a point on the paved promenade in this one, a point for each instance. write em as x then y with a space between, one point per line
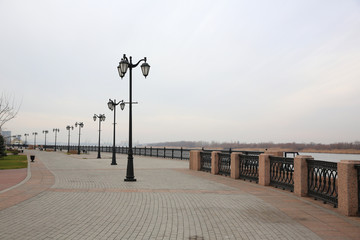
81 197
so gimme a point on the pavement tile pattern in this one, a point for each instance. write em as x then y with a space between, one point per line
11 177
81 197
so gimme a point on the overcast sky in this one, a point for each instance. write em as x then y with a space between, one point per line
247 71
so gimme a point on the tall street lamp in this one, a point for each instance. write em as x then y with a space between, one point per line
56 130
122 68
81 125
101 119
45 132
112 106
26 135
68 127
34 133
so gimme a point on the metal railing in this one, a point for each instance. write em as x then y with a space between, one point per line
322 181
358 181
174 153
281 172
224 164
249 167
205 161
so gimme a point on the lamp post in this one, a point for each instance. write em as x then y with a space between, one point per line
122 68
45 132
81 125
34 133
101 119
56 130
26 135
112 106
68 127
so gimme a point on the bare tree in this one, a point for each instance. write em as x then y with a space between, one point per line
8 109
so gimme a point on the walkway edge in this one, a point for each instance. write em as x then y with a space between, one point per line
37 182
23 181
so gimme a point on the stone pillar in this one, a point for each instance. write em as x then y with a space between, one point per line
275 153
264 169
215 162
235 165
347 187
301 175
194 161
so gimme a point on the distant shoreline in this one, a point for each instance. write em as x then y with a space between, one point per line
309 150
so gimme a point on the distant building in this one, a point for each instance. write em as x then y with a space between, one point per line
16 141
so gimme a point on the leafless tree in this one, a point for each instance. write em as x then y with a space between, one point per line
8 109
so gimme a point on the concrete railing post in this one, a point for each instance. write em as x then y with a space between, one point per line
301 175
264 169
215 162
235 165
264 166
195 160
275 153
347 188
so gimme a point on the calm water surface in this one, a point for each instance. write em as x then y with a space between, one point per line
332 157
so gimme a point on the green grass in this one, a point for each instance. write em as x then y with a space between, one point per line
13 162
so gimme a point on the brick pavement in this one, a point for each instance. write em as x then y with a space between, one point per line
81 197
11 177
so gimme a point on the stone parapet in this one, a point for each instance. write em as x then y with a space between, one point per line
195 160
215 162
301 175
348 188
235 165
264 169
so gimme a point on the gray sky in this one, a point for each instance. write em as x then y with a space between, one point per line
248 71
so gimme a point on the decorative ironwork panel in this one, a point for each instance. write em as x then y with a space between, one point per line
322 181
168 153
161 152
249 165
205 161
281 172
224 164
186 154
177 153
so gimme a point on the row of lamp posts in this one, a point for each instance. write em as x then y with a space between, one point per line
124 65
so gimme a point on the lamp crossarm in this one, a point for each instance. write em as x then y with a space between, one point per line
113 102
135 65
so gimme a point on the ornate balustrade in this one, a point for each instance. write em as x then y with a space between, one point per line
249 165
224 164
281 172
205 161
174 153
322 181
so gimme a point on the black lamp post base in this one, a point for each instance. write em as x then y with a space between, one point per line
113 163
130 179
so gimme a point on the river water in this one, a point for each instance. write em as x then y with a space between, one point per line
332 157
